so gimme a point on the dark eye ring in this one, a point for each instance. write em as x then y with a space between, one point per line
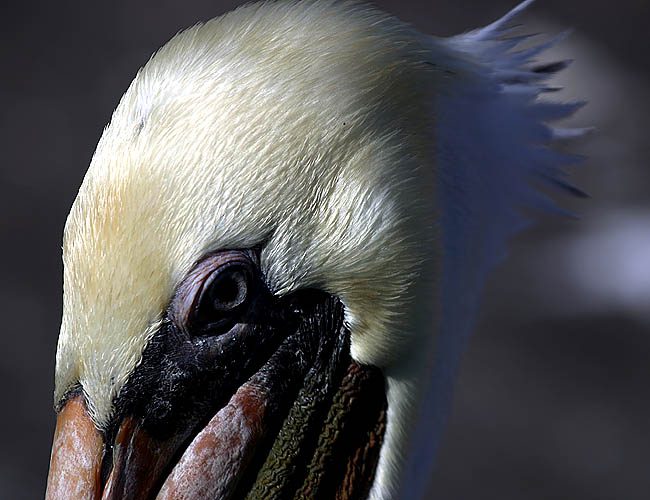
215 293
224 294
225 289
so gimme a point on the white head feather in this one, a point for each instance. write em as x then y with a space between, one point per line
306 128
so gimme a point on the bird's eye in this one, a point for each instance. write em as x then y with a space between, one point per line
225 290
222 297
215 294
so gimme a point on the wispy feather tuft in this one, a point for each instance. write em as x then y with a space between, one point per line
492 150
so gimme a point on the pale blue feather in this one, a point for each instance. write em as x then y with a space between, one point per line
492 151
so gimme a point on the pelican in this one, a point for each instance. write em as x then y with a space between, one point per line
273 261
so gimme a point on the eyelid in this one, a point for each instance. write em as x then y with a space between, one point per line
218 274
190 291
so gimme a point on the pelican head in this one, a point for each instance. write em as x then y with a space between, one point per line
272 260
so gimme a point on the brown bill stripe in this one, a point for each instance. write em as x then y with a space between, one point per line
345 459
285 465
328 445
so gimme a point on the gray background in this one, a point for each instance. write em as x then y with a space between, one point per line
551 400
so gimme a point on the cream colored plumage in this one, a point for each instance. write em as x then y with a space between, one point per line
305 127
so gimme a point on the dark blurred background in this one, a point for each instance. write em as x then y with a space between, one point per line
552 394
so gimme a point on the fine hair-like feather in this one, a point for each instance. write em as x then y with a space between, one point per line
493 152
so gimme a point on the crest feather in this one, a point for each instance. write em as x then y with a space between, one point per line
493 147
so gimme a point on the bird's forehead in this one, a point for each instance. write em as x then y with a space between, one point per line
238 132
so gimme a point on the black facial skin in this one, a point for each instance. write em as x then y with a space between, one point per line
295 347
185 377
190 371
